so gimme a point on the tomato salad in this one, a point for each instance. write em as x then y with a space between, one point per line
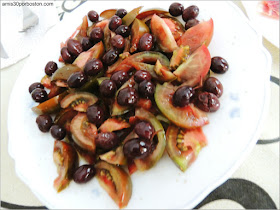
132 85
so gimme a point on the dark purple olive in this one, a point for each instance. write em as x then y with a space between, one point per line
39 95
136 149
74 47
207 102
93 67
110 57
176 9
219 65
50 68
66 56
182 96
142 75
127 96
120 77
34 86
58 132
144 130
117 42
108 88
123 30
121 13
95 114
44 122
107 140
213 85
115 22
77 80
190 13
86 43
146 42
96 35
146 89
84 173
93 16
191 23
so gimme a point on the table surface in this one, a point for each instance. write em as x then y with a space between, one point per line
254 185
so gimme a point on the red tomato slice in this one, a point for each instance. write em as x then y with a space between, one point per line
113 124
197 35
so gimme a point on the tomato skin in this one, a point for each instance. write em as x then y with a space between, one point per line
197 35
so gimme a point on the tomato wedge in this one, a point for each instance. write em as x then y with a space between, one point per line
176 27
107 14
64 117
115 181
79 101
65 158
115 157
64 72
130 17
195 67
163 34
50 106
184 146
142 57
197 35
113 124
83 132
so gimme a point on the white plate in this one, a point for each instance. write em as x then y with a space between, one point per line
232 132
268 27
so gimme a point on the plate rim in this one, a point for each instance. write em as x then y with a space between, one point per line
211 186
